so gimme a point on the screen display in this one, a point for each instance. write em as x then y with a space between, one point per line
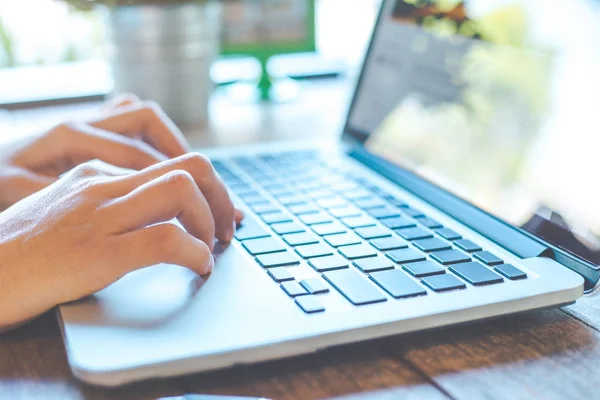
497 101
259 25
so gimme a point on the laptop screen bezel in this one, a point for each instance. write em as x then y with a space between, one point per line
357 136
349 131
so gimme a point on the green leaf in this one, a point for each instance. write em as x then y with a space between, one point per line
7 46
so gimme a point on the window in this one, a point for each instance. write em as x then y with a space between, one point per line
48 50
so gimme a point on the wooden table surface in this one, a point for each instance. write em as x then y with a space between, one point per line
550 354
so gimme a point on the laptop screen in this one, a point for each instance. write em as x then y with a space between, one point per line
497 101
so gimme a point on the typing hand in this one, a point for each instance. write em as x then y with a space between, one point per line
96 224
133 135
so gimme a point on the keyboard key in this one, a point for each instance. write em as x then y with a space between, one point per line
345 212
345 186
275 218
358 222
344 239
255 199
284 191
299 239
414 233
397 202
262 178
442 283
315 286
368 203
329 263
411 212
246 193
287 227
357 251
476 274
301 209
398 223
315 219
467 246
291 200
328 229
251 229
430 223
397 284
449 257
242 190
279 259
274 187
309 304
293 289
263 246
373 232
432 244
320 193
307 185
383 212
357 194
488 258
511 272
314 250
334 202
264 208
280 274
373 264
391 243
404 256
353 286
448 234
424 268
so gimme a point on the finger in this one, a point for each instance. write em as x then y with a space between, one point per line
88 143
163 243
239 216
148 121
125 99
173 195
205 177
96 168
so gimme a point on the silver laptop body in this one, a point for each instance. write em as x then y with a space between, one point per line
166 321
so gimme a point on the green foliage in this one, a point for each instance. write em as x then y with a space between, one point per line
7 47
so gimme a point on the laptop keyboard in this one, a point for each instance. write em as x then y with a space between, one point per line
362 242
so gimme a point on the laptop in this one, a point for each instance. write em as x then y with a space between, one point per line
463 188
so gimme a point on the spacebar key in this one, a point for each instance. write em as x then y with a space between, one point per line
353 286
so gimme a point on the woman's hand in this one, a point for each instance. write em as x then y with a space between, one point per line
133 135
95 224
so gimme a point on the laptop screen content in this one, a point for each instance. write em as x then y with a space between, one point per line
497 101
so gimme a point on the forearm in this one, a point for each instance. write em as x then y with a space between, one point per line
21 295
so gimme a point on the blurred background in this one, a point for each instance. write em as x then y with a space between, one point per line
52 50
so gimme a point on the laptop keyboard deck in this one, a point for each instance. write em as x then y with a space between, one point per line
364 243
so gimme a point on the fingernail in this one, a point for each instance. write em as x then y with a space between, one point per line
212 264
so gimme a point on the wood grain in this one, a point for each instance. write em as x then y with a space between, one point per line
358 369
539 355
587 310
33 365
545 354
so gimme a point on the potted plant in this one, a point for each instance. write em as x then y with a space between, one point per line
162 50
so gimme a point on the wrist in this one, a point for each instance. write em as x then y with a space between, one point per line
16 307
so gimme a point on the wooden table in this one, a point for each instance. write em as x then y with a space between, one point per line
551 354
